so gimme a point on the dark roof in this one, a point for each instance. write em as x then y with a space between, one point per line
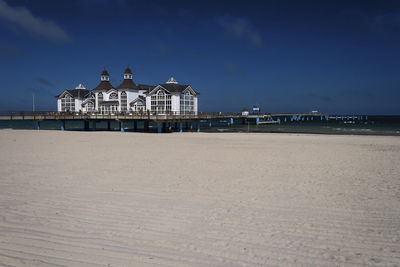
145 87
127 84
128 71
77 93
105 73
104 85
175 88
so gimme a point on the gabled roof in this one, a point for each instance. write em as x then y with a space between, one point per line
141 98
105 73
75 93
128 71
87 101
104 85
174 88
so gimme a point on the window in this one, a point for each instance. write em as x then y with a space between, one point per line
138 106
124 102
186 103
89 106
67 103
161 102
113 95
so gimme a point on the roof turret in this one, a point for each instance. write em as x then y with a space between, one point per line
80 87
128 71
172 80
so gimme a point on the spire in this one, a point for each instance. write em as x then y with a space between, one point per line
80 86
105 76
172 80
128 74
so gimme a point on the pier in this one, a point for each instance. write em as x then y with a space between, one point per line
166 122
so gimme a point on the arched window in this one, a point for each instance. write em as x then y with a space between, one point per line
113 96
89 106
161 102
67 103
124 102
186 102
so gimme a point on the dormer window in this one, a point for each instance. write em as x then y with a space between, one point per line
113 95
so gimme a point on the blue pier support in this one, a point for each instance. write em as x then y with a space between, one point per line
285 119
327 117
278 120
366 117
198 127
231 121
342 117
121 125
180 127
159 128
336 117
36 125
62 125
302 118
257 121
312 118
322 118
209 123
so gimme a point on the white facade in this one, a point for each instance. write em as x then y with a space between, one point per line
168 98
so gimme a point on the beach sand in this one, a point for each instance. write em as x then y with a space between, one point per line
198 199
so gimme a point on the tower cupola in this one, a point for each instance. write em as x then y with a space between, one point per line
105 76
128 74
80 87
172 80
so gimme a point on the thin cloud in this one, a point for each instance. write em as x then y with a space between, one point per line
35 26
240 28
44 81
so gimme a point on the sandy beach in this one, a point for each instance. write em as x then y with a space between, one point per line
198 199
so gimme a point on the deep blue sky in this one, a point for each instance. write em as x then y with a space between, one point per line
286 56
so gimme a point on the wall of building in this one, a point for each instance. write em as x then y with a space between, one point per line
175 103
131 95
78 105
58 105
148 102
195 105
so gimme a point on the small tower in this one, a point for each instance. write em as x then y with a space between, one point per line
172 80
128 74
105 76
80 87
